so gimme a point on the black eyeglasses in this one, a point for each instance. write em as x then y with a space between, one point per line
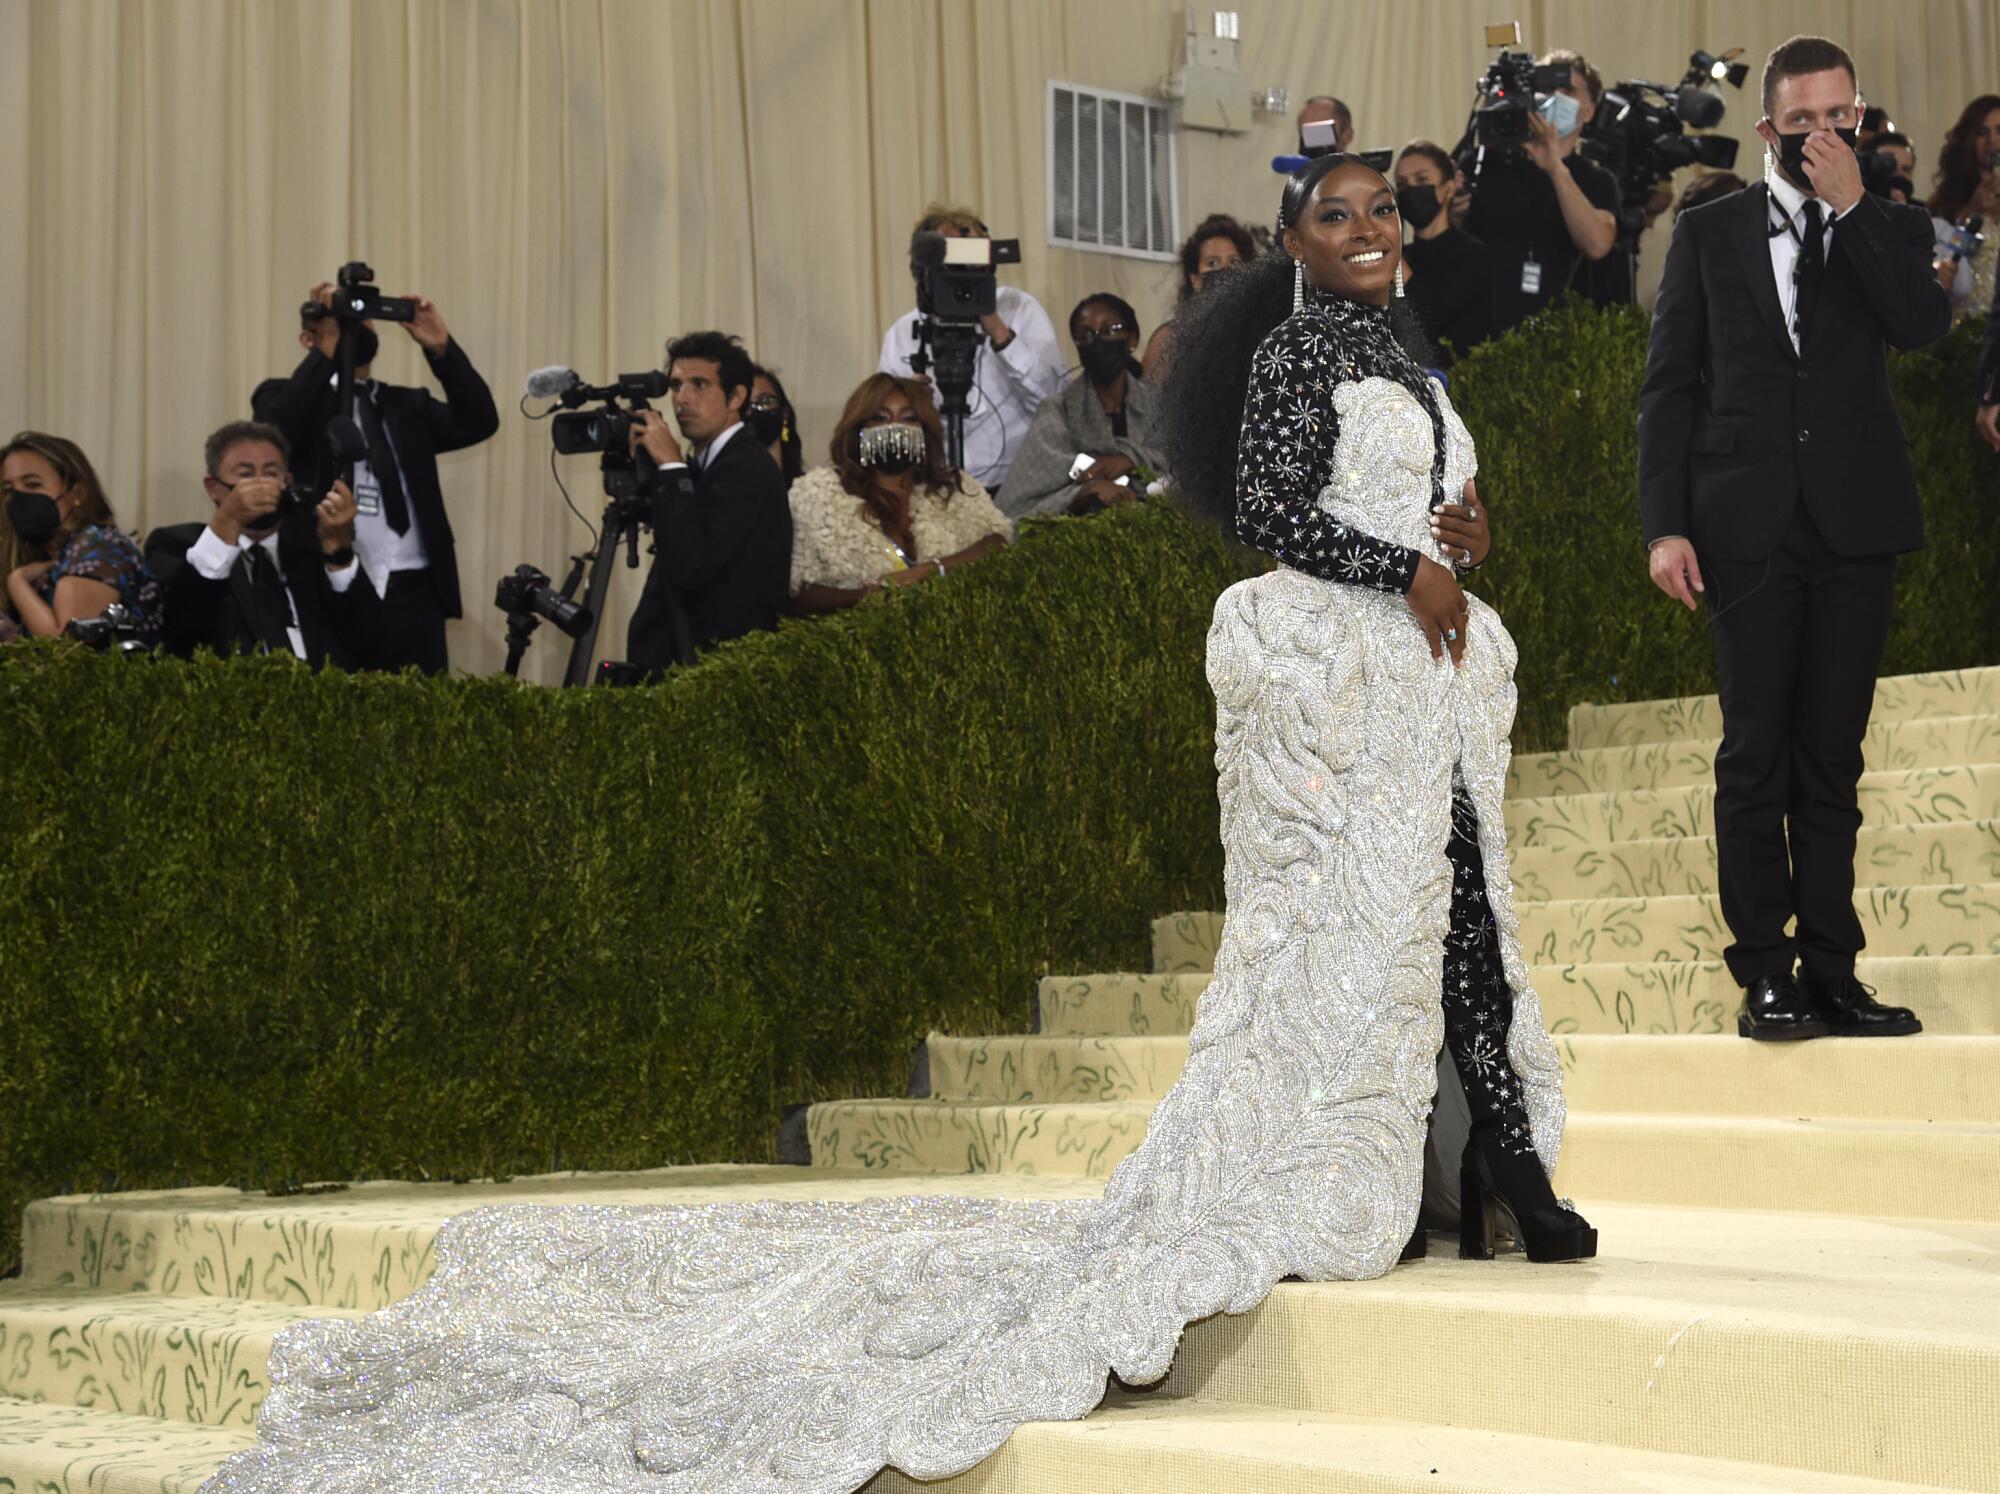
1112 333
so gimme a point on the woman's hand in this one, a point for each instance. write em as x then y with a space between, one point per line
1440 609
1111 468
1462 528
923 570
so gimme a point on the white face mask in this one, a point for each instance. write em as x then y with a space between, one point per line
1562 111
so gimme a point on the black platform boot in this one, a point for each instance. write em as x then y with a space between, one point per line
1494 1181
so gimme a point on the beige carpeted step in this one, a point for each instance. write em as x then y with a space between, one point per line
1156 1444
1934 743
1908 697
1886 856
1911 796
1886 1168
55 1449
1920 1079
1959 994
1826 1344
1949 920
178 1358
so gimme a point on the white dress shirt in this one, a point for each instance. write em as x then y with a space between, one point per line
380 548
1007 386
1790 203
214 557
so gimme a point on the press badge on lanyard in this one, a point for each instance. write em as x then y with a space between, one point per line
367 491
1531 276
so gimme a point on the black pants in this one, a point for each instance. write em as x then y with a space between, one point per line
1798 640
404 628
1478 1006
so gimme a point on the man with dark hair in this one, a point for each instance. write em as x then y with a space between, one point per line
1544 213
1774 479
261 576
402 535
722 529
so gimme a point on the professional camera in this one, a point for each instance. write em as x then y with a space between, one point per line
116 630
527 597
956 286
357 300
1509 91
608 428
1640 134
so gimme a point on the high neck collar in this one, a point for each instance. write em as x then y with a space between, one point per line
1346 310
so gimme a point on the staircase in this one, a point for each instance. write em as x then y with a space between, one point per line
1800 1280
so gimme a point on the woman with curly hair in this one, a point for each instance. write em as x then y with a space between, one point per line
887 511
1967 186
1218 242
805 1345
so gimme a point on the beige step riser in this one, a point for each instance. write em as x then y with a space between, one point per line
1881 1169
1939 921
1934 1079
1887 856
1955 997
1908 697
1924 796
1888 746
1718 1386
53 1449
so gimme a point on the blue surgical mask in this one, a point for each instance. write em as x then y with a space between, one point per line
1562 111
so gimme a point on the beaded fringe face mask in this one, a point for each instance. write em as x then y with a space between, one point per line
893 448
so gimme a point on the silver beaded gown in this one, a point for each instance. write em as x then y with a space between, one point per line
790 1348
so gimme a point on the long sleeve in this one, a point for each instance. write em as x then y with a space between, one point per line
1038 483
466 415
291 403
1284 459
1892 259
1672 384
1031 361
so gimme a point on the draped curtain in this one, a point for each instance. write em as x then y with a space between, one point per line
573 181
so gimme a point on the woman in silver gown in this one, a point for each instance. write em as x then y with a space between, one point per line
801 1347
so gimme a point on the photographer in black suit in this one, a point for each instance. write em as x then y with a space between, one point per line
722 528
1775 479
402 534
263 575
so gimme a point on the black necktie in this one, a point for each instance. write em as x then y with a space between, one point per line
1811 270
382 462
272 617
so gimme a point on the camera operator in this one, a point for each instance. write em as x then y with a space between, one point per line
1023 339
1448 274
270 572
1545 211
722 530
1321 107
401 532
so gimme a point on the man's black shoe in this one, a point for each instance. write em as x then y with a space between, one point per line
1775 1010
1851 1010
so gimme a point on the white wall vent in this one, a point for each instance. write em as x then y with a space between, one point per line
1112 183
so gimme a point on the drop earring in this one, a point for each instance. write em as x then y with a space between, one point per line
1298 285
1399 280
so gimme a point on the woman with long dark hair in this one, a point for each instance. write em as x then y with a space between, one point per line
802 1346
1967 186
1218 243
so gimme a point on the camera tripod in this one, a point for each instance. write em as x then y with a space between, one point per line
628 509
952 348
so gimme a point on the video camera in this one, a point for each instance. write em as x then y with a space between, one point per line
956 286
1509 91
1317 137
609 427
1640 132
355 299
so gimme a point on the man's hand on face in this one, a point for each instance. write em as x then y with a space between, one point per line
243 506
1834 171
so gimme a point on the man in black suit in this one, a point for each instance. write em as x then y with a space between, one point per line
262 576
1774 477
722 528
401 531
1988 420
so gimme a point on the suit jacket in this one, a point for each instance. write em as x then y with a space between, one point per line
196 612
422 427
722 567
1735 428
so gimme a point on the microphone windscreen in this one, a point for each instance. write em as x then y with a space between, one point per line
926 251
547 383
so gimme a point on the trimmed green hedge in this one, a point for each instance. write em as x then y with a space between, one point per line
265 926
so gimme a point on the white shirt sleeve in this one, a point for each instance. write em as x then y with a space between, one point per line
343 578
1032 359
212 556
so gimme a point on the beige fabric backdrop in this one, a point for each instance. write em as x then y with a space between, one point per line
573 180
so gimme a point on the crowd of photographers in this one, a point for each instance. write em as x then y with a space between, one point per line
328 536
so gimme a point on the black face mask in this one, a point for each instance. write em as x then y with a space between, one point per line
1104 359
34 517
767 425
1792 153
1418 205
